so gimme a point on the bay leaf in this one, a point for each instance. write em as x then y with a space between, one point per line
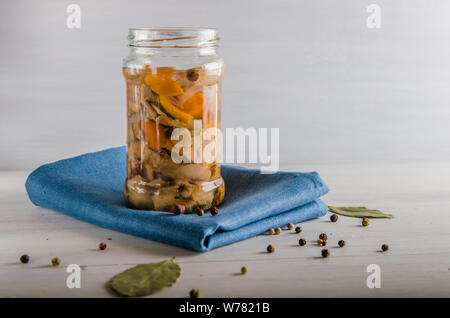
146 279
359 212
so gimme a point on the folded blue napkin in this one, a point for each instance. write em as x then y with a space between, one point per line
89 187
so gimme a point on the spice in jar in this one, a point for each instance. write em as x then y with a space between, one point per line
200 211
192 75
214 210
179 209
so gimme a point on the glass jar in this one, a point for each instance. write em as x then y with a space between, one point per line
173 79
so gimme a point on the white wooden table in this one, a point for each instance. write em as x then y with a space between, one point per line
418 263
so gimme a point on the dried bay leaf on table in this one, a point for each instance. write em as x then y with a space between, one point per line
359 212
146 279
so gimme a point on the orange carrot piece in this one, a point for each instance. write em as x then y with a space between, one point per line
155 137
194 105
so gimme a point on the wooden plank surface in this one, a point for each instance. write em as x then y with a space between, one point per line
417 265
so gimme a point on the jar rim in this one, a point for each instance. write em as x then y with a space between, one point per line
173 37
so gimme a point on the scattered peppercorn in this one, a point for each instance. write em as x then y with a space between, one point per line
214 210
323 237
365 222
179 209
102 246
298 229
194 293
270 248
384 247
200 212
56 261
290 226
333 218
192 75
278 230
244 270
302 242
325 253
321 242
109 239
341 243
24 259
271 231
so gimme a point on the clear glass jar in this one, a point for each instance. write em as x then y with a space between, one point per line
173 78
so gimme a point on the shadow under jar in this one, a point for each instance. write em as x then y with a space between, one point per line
173 78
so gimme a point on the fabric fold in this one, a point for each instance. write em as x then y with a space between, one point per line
89 188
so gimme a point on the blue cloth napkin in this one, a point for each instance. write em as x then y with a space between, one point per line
89 187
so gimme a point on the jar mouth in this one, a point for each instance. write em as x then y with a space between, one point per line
172 37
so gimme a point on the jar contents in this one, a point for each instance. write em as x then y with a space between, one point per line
160 100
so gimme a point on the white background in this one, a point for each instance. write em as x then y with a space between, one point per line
340 92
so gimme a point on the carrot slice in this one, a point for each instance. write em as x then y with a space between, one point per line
162 82
155 137
174 111
194 105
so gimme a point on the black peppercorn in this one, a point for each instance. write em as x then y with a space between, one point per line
102 246
194 293
244 270
325 253
302 242
341 243
192 75
321 242
290 226
323 237
384 247
298 229
179 209
333 218
24 259
214 210
270 249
